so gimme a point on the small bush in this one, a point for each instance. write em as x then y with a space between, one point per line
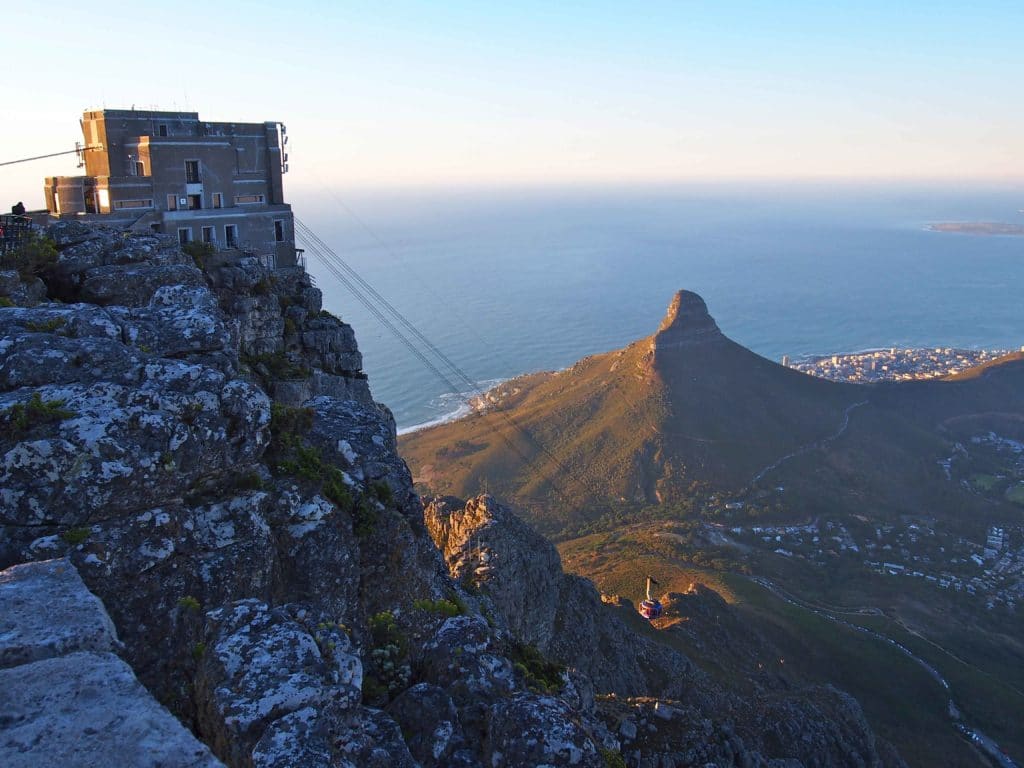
198 651
442 607
76 536
188 603
290 328
264 287
22 416
612 759
46 326
386 671
6 302
364 517
249 481
277 366
199 251
539 674
381 491
33 258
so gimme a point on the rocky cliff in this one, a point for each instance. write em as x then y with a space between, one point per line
194 436
661 705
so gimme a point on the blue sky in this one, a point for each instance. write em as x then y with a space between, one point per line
457 92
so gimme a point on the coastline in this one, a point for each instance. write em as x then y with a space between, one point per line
984 228
468 402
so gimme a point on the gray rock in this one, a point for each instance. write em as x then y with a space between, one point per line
119 447
538 730
46 611
133 285
263 665
428 715
87 709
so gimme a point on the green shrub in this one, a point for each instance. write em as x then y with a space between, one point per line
612 759
264 287
6 302
364 517
539 674
442 607
22 416
198 651
76 536
381 491
291 455
386 670
188 603
290 328
277 366
199 251
249 481
46 326
33 258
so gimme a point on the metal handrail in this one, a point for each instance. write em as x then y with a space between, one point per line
14 230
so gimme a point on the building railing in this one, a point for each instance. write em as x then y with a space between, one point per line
14 230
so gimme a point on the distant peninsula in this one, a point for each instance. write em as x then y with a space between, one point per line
978 228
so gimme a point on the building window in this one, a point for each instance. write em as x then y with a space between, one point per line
172 202
140 168
184 235
195 202
104 199
218 200
56 202
231 235
209 235
133 204
192 172
162 130
243 199
279 230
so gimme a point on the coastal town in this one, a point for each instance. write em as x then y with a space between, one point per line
991 570
895 364
982 562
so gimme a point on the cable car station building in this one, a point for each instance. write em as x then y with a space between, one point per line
170 172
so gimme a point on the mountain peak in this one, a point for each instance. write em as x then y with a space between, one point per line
686 323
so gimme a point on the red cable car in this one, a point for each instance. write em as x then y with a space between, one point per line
650 608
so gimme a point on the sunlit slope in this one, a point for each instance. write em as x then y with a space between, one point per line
642 423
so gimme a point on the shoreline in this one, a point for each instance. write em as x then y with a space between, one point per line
477 401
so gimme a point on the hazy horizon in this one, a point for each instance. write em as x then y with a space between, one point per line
414 95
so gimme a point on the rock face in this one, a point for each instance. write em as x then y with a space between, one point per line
68 699
196 437
686 323
662 707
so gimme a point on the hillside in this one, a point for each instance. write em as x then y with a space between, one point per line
641 424
687 413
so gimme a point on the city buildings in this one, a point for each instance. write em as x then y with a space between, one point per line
171 172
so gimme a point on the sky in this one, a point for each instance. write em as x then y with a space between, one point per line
424 93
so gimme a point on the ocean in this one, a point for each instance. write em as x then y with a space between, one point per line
509 281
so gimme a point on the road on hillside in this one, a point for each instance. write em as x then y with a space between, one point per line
985 743
812 446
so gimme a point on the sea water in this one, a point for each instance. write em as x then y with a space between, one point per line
509 281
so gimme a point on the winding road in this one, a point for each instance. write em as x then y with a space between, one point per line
976 737
811 446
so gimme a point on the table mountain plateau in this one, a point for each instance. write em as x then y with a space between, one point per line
190 439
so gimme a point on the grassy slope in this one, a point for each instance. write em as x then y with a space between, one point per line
902 702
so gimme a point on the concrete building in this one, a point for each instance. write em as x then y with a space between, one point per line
171 172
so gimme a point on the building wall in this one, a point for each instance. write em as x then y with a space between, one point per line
137 165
